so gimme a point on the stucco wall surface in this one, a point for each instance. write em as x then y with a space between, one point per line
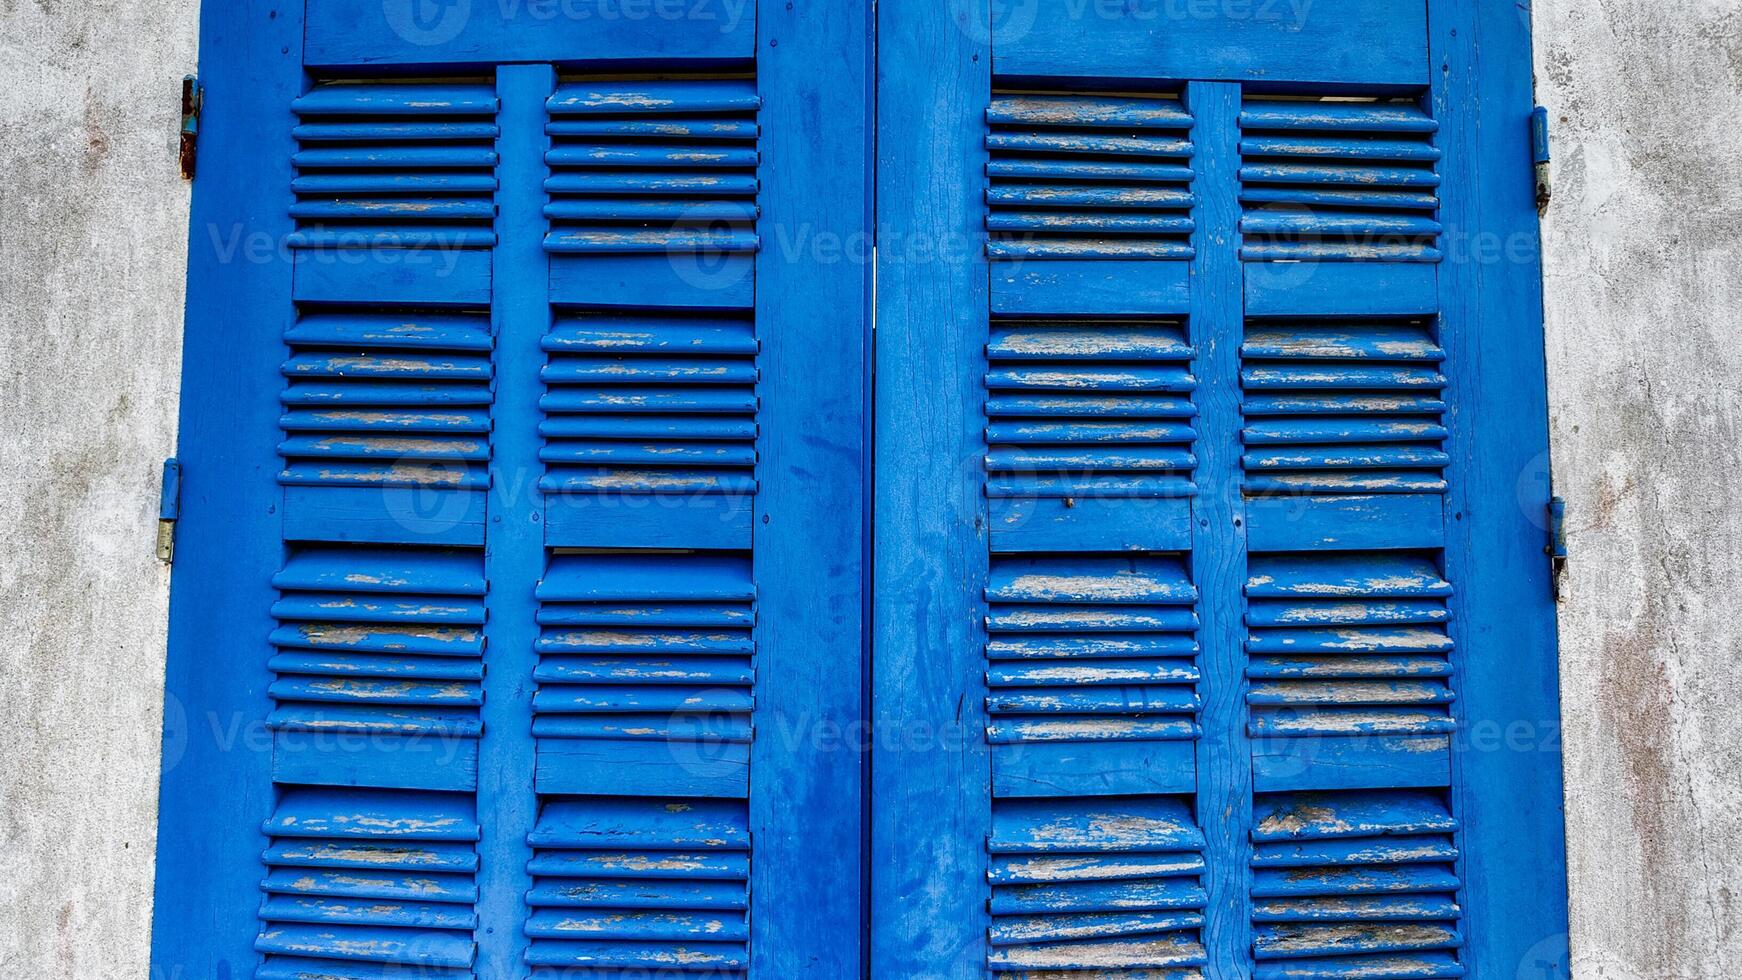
1645 387
93 220
1644 301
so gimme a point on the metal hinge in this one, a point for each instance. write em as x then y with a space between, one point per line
1556 549
168 510
192 100
1539 157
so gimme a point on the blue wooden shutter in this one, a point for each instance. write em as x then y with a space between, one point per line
1199 529
522 550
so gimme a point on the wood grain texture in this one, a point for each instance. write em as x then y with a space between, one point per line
489 32
215 792
514 539
811 540
1362 42
1219 535
1508 796
930 777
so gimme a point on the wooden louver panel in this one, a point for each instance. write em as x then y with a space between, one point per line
645 689
650 402
385 643
653 166
1091 613
1338 180
378 663
651 378
1091 672
645 683
1343 406
1347 609
377 691
1089 408
387 398
1108 885
395 164
363 885
656 886
1090 432
646 665
1350 646
1086 176
1355 884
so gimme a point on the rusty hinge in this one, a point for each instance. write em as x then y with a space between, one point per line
168 509
1539 158
192 100
1556 549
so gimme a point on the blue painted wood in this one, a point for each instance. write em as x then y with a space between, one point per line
216 769
715 521
1365 762
1361 42
811 561
1051 524
1219 533
1341 289
417 761
623 767
391 515
514 558
488 32
1510 801
678 279
419 276
1346 523
1082 287
932 807
1093 768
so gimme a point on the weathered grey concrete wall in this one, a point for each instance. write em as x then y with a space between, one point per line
1646 388
93 221
1644 276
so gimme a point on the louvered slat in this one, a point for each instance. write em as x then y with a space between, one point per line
1338 179
1351 646
642 403
1082 408
378 670
1342 407
621 884
664 165
645 677
395 164
1355 884
366 884
387 398
1082 176
1107 885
